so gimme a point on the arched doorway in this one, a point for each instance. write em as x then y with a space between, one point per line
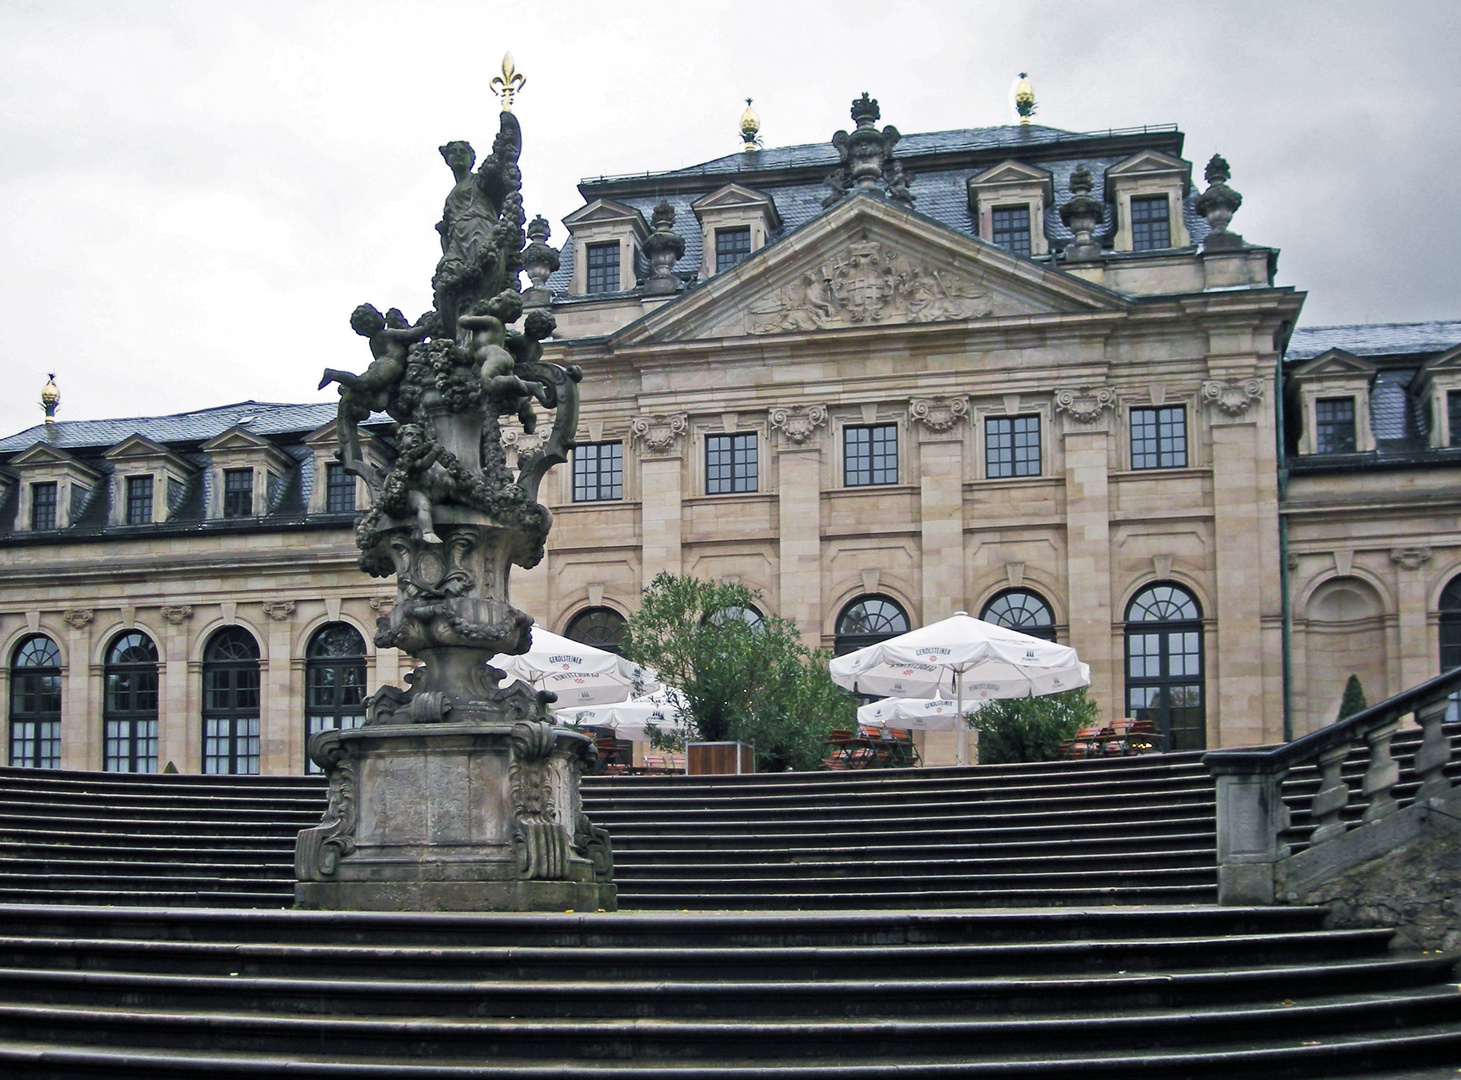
1164 672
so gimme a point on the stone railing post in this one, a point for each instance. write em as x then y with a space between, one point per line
1434 752
1251 817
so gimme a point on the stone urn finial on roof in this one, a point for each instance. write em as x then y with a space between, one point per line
540 260
1218 204
1082 213
663 248
866 157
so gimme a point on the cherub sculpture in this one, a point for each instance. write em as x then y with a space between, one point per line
487 327
391 338
426 481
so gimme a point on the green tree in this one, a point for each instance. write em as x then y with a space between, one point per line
1030 728
1353 700
744 678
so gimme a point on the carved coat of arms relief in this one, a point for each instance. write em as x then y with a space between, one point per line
867 283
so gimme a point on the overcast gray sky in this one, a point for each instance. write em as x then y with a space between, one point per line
193 196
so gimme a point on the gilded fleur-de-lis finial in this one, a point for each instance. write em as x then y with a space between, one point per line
508 83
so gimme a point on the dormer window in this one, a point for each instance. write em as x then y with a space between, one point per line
43 506
139 500
603 268
1147 190
735 222
1334 425
1011 229
238 493
1151 224
1008 204
732 247
339 489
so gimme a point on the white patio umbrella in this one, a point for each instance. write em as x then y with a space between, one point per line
579 674
913 714
629 720
964 658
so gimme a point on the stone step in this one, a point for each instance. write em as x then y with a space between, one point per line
646 963
481 1028
864 863
809 896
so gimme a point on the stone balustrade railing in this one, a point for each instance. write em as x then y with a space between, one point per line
1251 813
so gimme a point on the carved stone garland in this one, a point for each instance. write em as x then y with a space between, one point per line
660 434
1233 398
798 422
1086 404
938 414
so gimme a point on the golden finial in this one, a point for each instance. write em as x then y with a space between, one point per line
750 127
508 83
1024 98
50 398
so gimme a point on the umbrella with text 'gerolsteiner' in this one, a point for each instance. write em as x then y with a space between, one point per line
963 658
912 714
579 674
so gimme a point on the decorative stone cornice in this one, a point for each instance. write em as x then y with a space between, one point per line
1232 398
524 444
938 413
1086 404
1412 558
177 614
279 610
798 422
660 434
78 618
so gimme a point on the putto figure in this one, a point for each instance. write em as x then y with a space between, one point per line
391 336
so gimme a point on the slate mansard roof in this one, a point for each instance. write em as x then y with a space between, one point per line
1399 417
941 163
283 425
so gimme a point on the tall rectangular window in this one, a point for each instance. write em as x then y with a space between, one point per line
732 247
603 268
1011 446
43 506
339 489
238 493
870 454
598 471
730 463
1334 425
1159 438
1453 410
1012 228
1151 228
139 500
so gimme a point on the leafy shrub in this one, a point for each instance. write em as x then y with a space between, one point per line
1030 728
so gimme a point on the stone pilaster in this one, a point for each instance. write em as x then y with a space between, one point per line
78 741
1418 659
1085 419
661 442
940 425
175 720
798 491
276 694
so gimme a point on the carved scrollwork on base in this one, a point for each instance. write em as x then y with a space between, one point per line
1233 398
318 851
539 839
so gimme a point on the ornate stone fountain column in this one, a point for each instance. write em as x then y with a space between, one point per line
457 793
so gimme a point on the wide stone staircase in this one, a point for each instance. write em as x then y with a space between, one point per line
1032 921
1154 991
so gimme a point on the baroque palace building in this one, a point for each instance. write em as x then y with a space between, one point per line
1022 372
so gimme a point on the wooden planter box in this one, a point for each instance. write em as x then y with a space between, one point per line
708 758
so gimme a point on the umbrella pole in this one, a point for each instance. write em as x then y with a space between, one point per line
963 722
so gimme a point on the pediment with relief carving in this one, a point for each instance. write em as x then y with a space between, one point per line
867 263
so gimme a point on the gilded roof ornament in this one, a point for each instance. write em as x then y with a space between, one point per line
1024 99
508 83
50 398
750 128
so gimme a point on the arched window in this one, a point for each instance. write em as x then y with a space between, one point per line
601 627
129 712
1451 625
867 620
334 682
35 704
1021 610
1451 639
1164 664
748 615
231 702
